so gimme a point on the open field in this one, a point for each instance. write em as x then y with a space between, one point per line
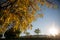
35 37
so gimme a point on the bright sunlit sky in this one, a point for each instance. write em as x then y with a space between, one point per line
51 16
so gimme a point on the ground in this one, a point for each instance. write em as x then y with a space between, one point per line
35 37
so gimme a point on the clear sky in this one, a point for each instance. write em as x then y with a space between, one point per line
51 16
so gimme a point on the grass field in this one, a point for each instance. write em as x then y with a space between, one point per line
34 37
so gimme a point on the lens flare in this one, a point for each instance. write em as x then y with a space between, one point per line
53 31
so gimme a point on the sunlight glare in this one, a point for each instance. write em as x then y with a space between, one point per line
53 30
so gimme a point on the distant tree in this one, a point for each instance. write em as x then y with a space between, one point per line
27 33
37 31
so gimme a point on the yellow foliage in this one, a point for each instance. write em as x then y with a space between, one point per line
19 13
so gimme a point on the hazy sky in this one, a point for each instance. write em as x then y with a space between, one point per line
51 16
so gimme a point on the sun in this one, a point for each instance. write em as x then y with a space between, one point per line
53 31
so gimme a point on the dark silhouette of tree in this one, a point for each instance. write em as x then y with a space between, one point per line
37 31
12 34
27 33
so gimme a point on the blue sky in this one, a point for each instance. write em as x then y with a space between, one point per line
51 16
